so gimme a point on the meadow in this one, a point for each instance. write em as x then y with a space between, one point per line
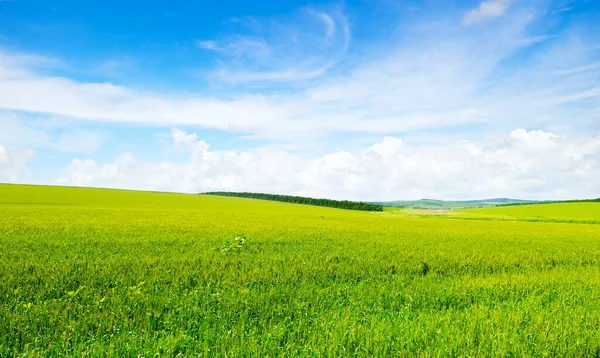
97 273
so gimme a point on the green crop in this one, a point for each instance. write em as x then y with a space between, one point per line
93 272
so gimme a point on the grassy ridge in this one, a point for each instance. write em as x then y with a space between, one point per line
105 272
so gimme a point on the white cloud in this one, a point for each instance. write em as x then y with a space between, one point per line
183 140
527 164
486 10
13 164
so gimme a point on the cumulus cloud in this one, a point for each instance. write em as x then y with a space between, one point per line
183 140
524 163
486 10
205 170
13 164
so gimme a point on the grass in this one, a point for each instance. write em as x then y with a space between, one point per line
92 272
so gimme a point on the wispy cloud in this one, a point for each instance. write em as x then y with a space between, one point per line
486 10
590 67
207 45
563 9
286 75
292 49
238 46
330 26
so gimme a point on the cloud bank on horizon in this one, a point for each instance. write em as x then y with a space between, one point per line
371 101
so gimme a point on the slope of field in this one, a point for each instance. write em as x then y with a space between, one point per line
91 272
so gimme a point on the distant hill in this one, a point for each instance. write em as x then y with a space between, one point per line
432 204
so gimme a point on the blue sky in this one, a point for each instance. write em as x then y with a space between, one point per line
369 100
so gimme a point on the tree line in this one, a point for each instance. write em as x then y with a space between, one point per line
340 204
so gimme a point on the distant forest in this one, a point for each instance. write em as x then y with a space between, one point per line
340 204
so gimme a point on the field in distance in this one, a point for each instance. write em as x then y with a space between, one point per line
96 272
431 204
567 212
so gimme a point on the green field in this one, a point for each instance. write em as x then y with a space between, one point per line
563 212
431 204
579 213
92 272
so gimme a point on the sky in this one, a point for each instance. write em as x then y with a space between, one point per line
360 100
